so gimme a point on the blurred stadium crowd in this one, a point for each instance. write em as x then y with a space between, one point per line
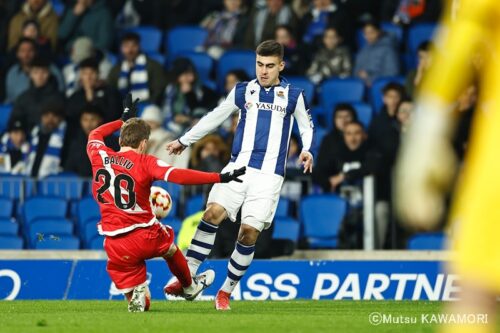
65 66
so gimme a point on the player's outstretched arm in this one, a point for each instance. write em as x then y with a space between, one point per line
129 111
207 124
194 177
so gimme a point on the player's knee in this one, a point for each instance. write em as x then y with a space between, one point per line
214 214
171 251
248 235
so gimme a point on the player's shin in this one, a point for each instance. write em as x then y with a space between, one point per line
201 245
241 258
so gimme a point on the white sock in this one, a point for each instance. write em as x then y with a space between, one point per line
241 258
201 245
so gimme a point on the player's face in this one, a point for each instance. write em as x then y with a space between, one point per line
268 70
353 136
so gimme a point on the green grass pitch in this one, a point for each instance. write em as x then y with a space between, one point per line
181 316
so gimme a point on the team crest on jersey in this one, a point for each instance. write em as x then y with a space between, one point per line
281 94
248 105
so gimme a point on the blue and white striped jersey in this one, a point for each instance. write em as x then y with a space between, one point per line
264 126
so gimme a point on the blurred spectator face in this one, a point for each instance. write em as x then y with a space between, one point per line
404 112
187 77
371 33
36 5
391 99
232 5
274 6
231 81
130 50
331 39
90 121
283 36
18 137
25 53
39 76
88 77
209 149
31 31
293 150
467 99
354 135
268 70
342 118
321 4
50 121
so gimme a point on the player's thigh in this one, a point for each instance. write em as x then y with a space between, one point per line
228 195
262 198
125 265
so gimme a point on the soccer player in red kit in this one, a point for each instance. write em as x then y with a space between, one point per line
121 185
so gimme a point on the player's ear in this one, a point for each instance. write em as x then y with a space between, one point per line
281 65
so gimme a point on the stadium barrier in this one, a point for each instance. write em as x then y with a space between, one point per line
340 275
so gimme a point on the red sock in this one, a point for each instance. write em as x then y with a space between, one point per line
178 266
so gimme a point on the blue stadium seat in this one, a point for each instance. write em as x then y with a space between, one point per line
427 241
63 243
66 186
46 229
156 56
88 212
6 208
322 216
419 33
236 59
318 115
5 110
364 112
319 134
283 208
89 232
286 228
185 38
37 208
303 83
150 38
334 91
174 223
16 187
378 85
97 243
8 228
203 63
194 204
11 243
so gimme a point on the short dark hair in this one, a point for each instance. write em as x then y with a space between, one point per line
53 107
396 87
40 62
270 48
92 109
372 22
131 36
345 107
357 122
23 40
90 62
426 45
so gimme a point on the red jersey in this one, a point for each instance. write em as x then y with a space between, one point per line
122 182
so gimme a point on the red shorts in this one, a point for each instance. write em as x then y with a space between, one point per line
127 253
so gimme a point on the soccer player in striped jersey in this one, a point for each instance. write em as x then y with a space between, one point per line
267 107
121 186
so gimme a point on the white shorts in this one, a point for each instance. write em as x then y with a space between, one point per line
257 196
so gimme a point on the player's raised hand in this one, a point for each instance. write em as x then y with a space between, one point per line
233 175
425 168
129 107
306 159
175 147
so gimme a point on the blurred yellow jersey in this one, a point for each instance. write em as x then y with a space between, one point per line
471 40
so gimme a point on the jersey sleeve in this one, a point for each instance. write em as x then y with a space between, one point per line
96 138
160 170
211 120
304 121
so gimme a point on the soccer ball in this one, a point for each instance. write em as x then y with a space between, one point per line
161 202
